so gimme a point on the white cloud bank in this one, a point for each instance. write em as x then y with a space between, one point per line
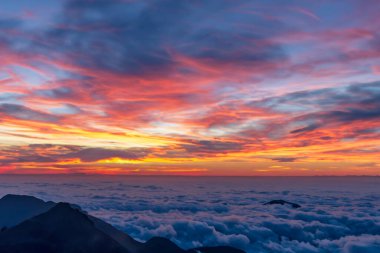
337 215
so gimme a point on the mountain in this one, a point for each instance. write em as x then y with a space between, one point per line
157 243
218 249
61 229
65 228
17 208
282 202
122 238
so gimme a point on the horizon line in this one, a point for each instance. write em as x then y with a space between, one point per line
172 175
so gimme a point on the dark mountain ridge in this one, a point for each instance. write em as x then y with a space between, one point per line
17 208
64 228
282 202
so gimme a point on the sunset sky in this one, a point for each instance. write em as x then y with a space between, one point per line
216 87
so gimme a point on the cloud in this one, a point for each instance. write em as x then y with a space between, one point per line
145 37
9 23
50 153
96 154
205 146
325 108
8 97
353 244
306 129
66 109
57 93
338 215
285 159
25 113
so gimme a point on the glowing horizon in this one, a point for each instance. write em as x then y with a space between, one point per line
174 87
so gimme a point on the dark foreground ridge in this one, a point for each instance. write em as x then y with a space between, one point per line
47 227
282 202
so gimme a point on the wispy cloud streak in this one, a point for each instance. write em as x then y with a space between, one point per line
220 87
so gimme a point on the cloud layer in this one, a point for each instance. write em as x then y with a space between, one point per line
337 214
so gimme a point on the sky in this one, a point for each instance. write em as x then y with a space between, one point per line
216 87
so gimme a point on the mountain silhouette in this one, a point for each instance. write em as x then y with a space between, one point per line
61 229
65 228
156 243
218 249
282 202
17 208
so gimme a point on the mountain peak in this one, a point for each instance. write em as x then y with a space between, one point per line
19 197
22 200
11 196
65 212
61 229
17 208
161 243
282 202
63 206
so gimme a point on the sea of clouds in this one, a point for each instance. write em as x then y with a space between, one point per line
337 214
